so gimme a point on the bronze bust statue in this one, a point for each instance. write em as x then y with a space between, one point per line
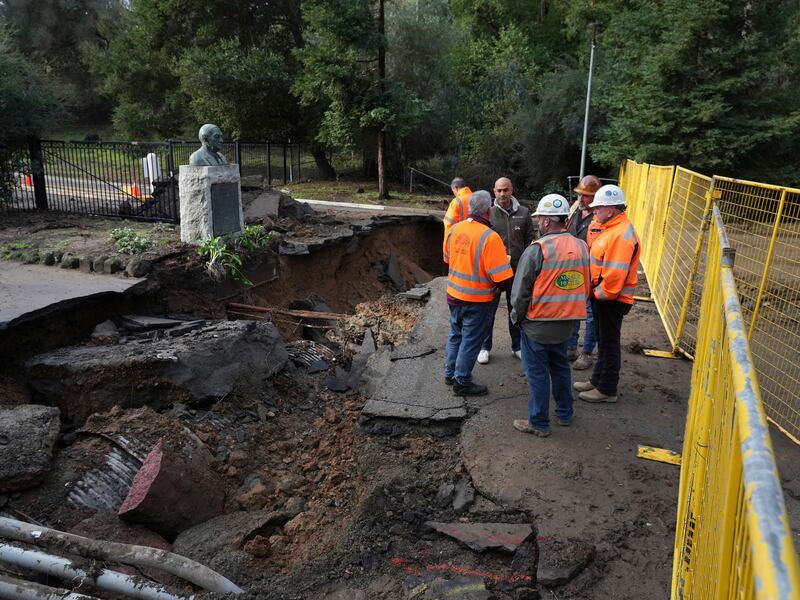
208 155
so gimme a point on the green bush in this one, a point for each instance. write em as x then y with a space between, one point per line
128 241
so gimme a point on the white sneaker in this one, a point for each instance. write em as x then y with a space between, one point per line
517 353
483 357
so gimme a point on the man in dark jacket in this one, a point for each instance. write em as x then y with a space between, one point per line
578 225
513 223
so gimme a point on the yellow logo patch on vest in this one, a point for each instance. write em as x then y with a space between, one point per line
569 280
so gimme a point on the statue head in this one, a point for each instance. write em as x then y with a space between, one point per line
211 137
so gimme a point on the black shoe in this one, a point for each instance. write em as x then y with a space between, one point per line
449 380
470 389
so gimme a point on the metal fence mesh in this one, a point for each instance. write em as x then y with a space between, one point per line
763 223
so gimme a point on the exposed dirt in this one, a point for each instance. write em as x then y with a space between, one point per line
355 499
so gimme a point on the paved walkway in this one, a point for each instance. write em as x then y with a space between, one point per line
26 289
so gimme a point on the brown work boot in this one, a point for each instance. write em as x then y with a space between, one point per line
596 395
584 361
582 386
525 427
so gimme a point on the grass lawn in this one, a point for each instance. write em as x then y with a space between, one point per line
365 192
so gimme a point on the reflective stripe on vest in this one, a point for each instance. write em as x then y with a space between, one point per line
615 261
562 286
466 279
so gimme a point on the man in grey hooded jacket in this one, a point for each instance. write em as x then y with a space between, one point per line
513 222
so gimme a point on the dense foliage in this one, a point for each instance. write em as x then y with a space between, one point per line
472 87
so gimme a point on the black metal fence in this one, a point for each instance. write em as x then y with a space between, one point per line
135 179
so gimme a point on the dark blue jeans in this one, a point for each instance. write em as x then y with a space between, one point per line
589 336
545 364
468 325
512 329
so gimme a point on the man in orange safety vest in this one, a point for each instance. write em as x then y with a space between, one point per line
459 205
479 266
548 298
615 263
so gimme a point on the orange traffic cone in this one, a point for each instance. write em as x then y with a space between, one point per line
135 190
28 180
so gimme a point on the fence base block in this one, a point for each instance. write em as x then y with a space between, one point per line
659 455
660 353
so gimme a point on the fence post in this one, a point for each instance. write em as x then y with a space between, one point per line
37 173
410 180
170 159
269 164
767 263
299 161
698 248
237 155
285 181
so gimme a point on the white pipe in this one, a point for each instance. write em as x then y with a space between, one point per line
103 579
19 589
140 556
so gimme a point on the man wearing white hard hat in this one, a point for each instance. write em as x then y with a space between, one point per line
615 263
548 298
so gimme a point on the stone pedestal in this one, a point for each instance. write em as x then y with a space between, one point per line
211 202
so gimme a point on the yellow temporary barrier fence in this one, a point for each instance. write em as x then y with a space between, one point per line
670 207
733 538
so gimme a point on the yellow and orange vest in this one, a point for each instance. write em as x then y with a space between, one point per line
563 285
458 209
477 259
615 260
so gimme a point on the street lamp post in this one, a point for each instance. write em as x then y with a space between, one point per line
588 100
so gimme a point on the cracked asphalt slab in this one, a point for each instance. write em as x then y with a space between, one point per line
585 481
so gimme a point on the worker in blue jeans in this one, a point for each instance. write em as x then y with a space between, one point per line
579 223
548 297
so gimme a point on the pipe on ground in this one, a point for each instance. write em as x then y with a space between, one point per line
112 581
19 589
139 556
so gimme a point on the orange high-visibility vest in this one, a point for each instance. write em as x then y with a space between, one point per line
562 286
615 261
595 229
458 209
477 259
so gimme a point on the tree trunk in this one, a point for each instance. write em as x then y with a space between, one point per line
383 192
323 164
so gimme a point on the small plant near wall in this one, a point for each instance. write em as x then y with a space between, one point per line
129 241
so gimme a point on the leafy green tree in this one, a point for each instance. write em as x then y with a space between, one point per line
711 87
30 102
50 33
341 72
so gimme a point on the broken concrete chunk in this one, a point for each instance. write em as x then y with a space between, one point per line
173 491
28 434
289 207
338 381
368 345
560 561
317 366
184 328
105 333
481 537
445 494
411 351
219 543
147 323
417 293
392 272
464 495
201 367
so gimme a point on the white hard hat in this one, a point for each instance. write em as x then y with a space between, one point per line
552 205
608 195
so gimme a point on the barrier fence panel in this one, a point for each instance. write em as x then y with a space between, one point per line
763 223
732 538
670 212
